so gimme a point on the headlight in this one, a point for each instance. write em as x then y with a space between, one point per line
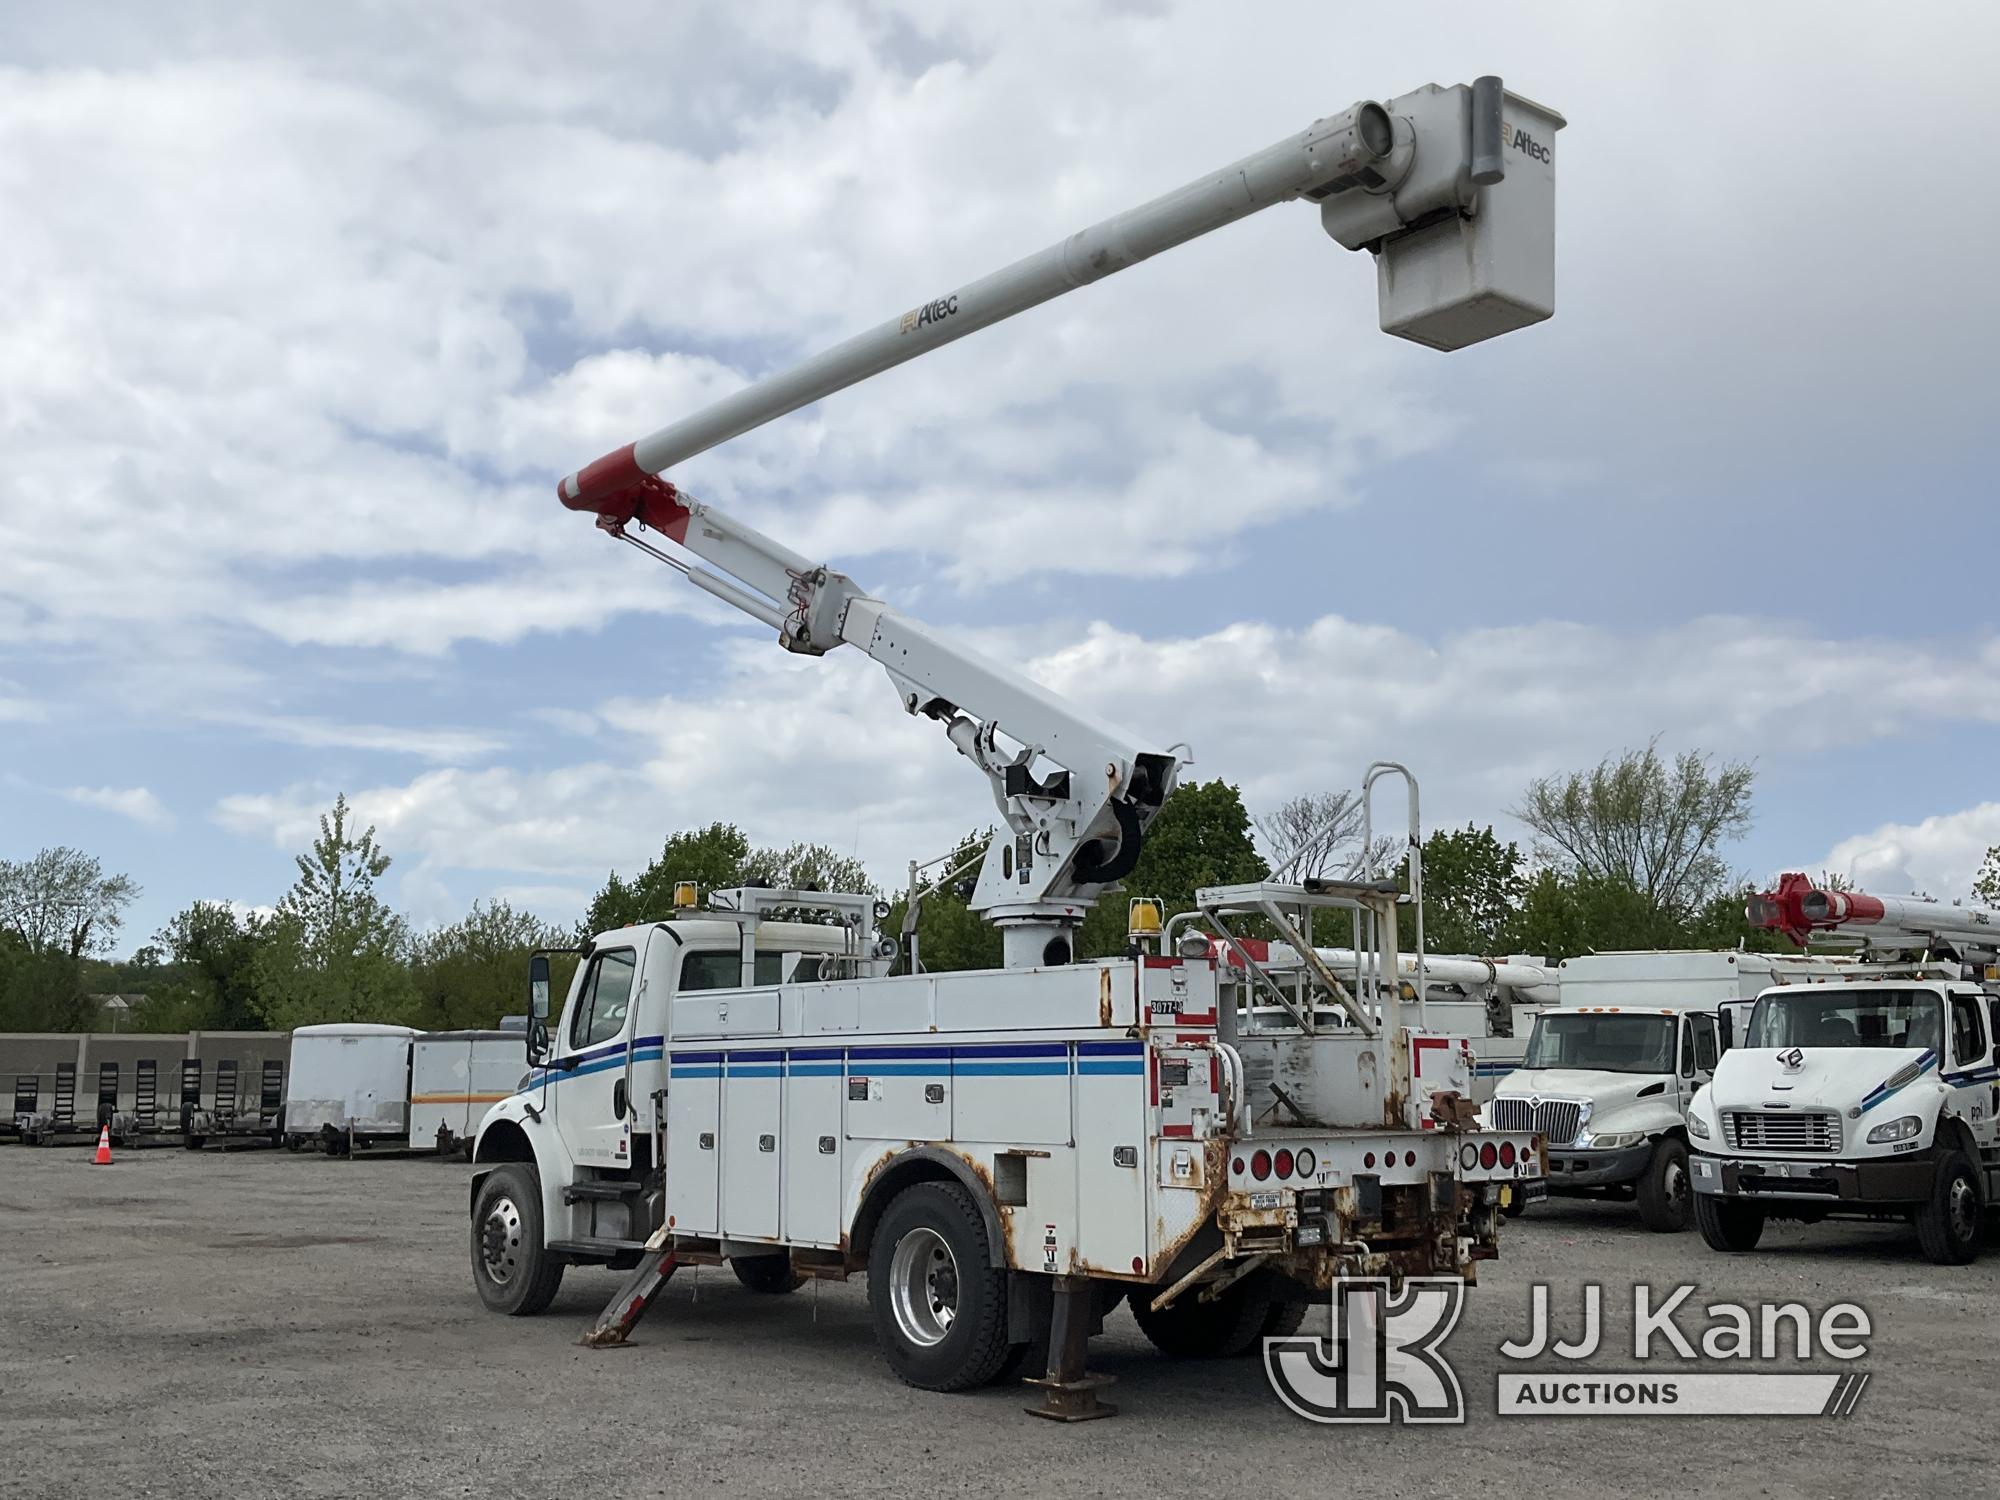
1698 1127
1616 1140
1896 1130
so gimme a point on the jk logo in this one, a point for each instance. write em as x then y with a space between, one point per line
1382 1363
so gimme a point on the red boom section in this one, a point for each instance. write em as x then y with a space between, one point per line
617 489
1798 908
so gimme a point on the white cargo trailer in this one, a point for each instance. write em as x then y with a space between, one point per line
455 1077
349 1085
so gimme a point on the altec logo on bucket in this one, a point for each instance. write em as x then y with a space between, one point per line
1385 1359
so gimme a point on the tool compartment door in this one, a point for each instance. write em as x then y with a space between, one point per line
815 1084
694 1126
1111 1156
752 1094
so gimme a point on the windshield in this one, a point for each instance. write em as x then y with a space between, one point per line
1810 1017
1612 1043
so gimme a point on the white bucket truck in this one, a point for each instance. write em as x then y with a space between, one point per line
1007 1153
1607 1076
1868 1097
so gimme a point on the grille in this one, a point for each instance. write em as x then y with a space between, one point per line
1808 1131
1556 1120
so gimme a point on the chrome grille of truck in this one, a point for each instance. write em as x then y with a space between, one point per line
1805 1130
1556 1120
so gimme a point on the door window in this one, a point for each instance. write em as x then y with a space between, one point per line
606 996
1968 1039
1702 1028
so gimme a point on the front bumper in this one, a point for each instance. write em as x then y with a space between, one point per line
1870 1181
1570 1168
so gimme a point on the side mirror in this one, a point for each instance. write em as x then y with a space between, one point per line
538 1042
538 986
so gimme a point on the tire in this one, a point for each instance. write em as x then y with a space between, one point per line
1666 1199
1949 1223
1284 1320
771 1275
512 1270
1222 1329
938 1302
1726 1224
194 1142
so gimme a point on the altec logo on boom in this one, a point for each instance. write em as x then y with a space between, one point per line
930 312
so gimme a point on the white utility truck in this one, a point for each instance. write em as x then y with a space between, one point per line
1607 1076
1008 1153
1869 1097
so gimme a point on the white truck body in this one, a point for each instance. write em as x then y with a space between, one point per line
349 1077
455 1077
1872 1097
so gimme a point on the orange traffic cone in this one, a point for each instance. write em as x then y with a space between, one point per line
104 1146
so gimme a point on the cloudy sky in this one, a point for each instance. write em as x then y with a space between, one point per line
307 307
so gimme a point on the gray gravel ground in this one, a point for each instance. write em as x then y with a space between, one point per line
260 1324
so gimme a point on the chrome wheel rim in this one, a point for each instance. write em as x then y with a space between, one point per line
923 1287
500 1241
1677 1185
1963 1205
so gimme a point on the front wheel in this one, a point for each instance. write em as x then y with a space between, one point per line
1726 1224
1948 1224
1665 1199
511 1267
939 1303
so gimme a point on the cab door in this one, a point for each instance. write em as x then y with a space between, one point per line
589 1074
1975 1048
1697 1053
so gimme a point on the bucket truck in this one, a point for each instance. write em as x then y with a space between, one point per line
1010 1153
1875 1095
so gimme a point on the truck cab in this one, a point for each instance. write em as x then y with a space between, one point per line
1862 1099
1605 1087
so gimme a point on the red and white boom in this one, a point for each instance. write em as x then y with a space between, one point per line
1802 910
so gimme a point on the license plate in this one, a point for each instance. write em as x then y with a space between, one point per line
1266 1200
1534 1190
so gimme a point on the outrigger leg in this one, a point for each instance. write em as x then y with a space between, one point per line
1068 1394
622 1314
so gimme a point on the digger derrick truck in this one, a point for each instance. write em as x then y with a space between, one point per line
1009 1153
1874 1095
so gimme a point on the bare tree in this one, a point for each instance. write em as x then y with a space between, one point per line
1637 819
1318 836
61 900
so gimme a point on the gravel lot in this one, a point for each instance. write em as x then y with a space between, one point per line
249 1324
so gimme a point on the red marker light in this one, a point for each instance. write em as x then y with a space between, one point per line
1506 1153
1368 1161
1282 1163
1488 1156
1260 1165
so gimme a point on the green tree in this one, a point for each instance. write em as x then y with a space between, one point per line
1473 885
1986 884
1200 837
1635 823
475 971
207 976
808 867
61 900
334 951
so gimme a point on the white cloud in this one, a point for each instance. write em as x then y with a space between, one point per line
136 803
1939 856
315 733
796 749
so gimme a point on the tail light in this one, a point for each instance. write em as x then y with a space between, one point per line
1260 1165
1489 1156
1282 1163
1307 1163
1468 1156
1506 1153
